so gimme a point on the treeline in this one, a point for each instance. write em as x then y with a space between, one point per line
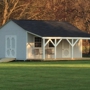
76 12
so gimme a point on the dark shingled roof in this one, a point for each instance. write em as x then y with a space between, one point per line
51 28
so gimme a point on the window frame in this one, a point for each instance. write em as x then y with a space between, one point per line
37 42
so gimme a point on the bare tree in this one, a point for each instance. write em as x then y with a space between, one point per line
75 11
78 13
10 7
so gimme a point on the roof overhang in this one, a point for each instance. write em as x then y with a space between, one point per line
34 34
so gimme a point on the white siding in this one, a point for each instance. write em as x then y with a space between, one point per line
78 50
77 53
13 29
30 46
59 50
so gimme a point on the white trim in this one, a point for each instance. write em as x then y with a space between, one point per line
72 52
69 42
72 43
52 42
81 48
26 45
55 49
75 42
33 34
66 37
46 42
72 48
58 42
43 49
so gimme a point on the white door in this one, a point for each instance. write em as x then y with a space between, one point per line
11 46
65 49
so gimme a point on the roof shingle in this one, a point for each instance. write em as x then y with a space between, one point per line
51 28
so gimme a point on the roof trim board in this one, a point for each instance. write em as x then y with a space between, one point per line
65 37
34 34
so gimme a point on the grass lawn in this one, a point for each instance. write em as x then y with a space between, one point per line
59 75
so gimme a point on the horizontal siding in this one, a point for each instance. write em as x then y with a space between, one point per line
12 29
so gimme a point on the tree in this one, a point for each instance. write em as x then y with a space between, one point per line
78 13
75 11
11 7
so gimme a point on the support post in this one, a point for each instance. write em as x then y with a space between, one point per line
72 48
55 49
43 49
26 46
81 48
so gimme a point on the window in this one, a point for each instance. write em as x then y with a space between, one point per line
50 44
38 42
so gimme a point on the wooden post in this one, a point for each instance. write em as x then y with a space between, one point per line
43 49
55 53
72 48
81 48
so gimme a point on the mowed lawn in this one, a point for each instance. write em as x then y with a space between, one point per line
58 75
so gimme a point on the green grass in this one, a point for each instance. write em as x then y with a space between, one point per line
59 75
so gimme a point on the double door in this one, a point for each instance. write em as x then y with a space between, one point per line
65 49
10 46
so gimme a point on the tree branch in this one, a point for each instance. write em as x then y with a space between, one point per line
5 11
21 14
13 8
